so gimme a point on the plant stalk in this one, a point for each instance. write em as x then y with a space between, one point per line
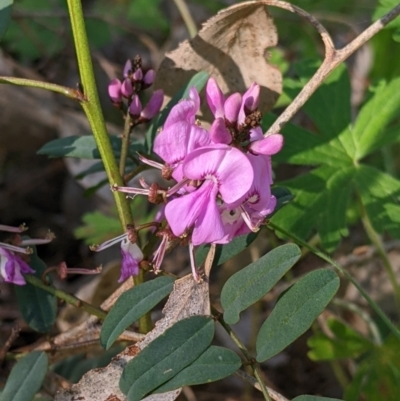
92 109
68 298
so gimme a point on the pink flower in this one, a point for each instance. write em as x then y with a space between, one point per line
260 145
131 257
131 254
12 267
225 172
180 134
153 107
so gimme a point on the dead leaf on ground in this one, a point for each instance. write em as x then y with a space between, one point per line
188 298
231 47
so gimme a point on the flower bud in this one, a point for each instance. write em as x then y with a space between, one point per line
153 106
149 77
232 107
137 75
126 88
127 69
114 91
135 107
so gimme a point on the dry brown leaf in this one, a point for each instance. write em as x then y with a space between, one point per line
231 47
188 298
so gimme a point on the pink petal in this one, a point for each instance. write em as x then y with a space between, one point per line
135 108
249 102
215 98
126 88
149 77
232 107
219 133
175 142
138 75
256 134
270 145
185 110
114 90
224 164
153 107
127 68
198 209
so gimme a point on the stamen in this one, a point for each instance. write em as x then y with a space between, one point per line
107 244
11 229
26 251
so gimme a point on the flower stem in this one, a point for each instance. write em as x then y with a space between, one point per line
244 351
92 109
68 298
376 240
186 16
125 144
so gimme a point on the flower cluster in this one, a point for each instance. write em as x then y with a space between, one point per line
133 83
12 265
223 175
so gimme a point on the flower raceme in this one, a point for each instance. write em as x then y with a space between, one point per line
223 174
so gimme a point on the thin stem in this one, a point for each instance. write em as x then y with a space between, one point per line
187 17
321 255
244 351
250 379
376 240
95 117
63 90
68 298
125 144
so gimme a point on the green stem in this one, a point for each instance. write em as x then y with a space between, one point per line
68 298
320 254
125 144
244 351
64 90
186 16
95 117
376 240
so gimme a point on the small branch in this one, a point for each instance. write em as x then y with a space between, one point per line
64 90
333 57
250 379
249 359
13 336
186 16
68 298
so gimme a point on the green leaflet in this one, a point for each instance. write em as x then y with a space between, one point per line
295 311
166 356
215 363
5 15
250 284
26 378
133 304
38 307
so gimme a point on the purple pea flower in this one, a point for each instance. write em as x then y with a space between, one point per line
131 257
180 134
225 172
131 254
12 267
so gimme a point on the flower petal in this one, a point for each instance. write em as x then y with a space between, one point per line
270 145
228 166
232 107
219 133
183 212
185 110
215 98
